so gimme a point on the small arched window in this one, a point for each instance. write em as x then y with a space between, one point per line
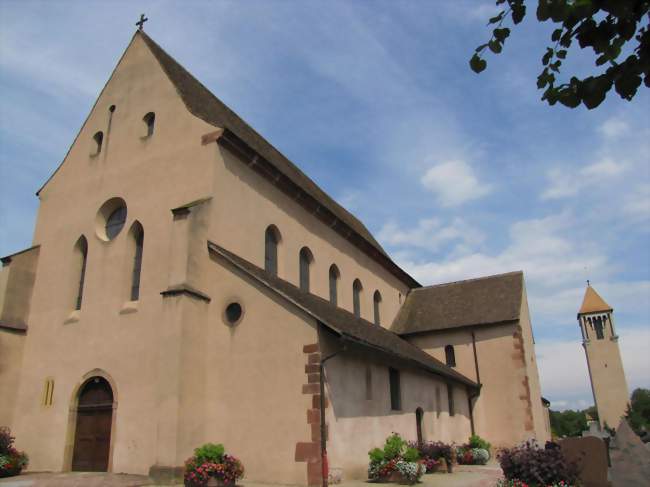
450 356
98 138
271 240
137 238
81 251
306 259
600 329
149 121
356 297
376 304
334 284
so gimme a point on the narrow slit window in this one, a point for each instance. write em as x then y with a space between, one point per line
356 297
395 393
450 356
82 254
600 329
138 243
376 303
306 259
149 121
271 240
368 383
98 139
450 399
334 284
48 392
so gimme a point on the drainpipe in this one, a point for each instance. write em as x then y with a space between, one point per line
475 394
323 441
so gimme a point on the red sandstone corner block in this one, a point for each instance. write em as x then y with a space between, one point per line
312 369
311 348
314 358
211 137
313 378
307 452
315 402
315 432
310 388
313 416
315 473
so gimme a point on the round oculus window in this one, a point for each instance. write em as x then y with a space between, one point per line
233 313
115 222
110 219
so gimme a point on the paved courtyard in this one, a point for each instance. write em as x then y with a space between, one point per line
464 476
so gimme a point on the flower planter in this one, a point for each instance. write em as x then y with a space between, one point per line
214 482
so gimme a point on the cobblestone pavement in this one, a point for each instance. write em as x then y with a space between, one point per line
463 476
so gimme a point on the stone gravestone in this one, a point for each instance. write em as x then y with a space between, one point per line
630 458
590 453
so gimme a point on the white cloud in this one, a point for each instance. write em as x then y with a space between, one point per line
541 247
431 234
563 367
613 127
454 182
565 182
636 203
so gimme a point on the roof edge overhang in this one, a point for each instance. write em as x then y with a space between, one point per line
472 326
6 260
246 154
457 377
18 327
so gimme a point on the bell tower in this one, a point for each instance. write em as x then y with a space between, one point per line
600 342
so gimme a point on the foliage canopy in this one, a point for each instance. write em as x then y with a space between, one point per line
612 28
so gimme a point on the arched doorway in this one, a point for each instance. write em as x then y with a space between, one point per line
418 420
92 437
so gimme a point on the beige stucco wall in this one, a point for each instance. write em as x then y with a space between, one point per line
11 354
356 424
502 412
247 204
606 372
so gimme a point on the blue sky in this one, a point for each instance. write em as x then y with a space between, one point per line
458 175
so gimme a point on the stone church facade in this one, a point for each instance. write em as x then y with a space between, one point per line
187 284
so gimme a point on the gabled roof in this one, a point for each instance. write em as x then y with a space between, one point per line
482 301
343 322
204 105
593 303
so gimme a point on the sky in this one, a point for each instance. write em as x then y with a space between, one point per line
458 175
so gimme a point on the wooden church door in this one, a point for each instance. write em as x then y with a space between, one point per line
93 431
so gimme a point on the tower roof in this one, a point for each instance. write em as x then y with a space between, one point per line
593 303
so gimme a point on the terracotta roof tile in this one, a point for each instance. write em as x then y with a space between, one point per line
593 303
482 301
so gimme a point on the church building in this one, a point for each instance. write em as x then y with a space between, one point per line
187 283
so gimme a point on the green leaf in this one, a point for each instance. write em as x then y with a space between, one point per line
543 12
561 54
494 46
627 85
518 13
477 64
501 34
557 33
481 47
547 57
497 18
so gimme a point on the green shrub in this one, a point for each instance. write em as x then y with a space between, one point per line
475 441
209 453
376 455
394 447
411 455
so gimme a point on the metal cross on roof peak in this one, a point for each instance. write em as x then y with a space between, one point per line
141 22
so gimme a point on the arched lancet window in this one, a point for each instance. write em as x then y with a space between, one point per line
137 238
271 241
81 250
98 138
306 259
149 120
335 275
598 324
356 297
376 303
450 356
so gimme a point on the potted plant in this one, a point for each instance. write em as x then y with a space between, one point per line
396 462
12 461
211 466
